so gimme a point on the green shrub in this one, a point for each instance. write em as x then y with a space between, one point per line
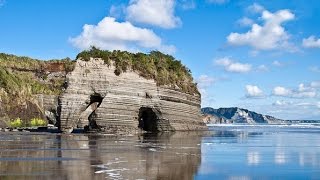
37 122
16 123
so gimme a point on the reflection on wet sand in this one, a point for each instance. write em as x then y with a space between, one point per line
54 156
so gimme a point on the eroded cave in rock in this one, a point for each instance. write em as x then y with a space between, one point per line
148 119
89 115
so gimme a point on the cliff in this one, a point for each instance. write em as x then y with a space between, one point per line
97 97
235 115
102 90
29 88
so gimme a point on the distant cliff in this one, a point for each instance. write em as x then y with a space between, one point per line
101 90
235 115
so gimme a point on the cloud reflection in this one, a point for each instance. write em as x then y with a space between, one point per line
253 158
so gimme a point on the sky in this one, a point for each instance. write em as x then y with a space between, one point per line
253 54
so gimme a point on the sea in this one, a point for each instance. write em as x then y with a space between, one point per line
233 152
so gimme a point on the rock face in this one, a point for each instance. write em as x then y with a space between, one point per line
236 115
97 98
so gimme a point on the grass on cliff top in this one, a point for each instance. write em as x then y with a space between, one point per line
163 68
21 76
21 84
28 64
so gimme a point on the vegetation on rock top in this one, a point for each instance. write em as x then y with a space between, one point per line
163 68
22 77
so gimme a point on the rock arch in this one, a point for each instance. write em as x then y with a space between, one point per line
87 117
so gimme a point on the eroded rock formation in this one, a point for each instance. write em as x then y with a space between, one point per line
98 98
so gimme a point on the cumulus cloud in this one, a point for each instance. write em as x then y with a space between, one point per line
315 84
281 91
303 91
277 63
255 8
262 68
307 109
158 13
110 34
253 91
245 21
187 4
281 103
231 66
268 36
311 42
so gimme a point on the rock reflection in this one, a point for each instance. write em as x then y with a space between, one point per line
156 156
149 156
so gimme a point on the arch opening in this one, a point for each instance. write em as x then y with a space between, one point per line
88 116
148 120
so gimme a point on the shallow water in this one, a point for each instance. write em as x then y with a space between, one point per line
224 152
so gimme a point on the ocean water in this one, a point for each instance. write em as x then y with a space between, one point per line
223 152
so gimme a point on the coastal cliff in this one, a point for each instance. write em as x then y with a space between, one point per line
236 115
105 91
29 88
97 97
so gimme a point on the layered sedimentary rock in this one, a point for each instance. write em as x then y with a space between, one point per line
97 98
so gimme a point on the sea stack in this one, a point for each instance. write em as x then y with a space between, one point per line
97 95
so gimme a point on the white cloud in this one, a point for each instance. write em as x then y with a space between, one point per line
253 91
277 63
158 13
271 35
255 8
187 4
245 21
281 103
110 34
302 91
311 42
218 1
315 84
231 66
262 68
281 91
306 91
239 68
294 105
205 81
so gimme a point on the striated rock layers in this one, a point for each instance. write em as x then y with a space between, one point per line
95 97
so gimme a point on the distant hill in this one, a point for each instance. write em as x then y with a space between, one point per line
235 115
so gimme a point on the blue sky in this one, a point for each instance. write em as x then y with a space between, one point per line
260 55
